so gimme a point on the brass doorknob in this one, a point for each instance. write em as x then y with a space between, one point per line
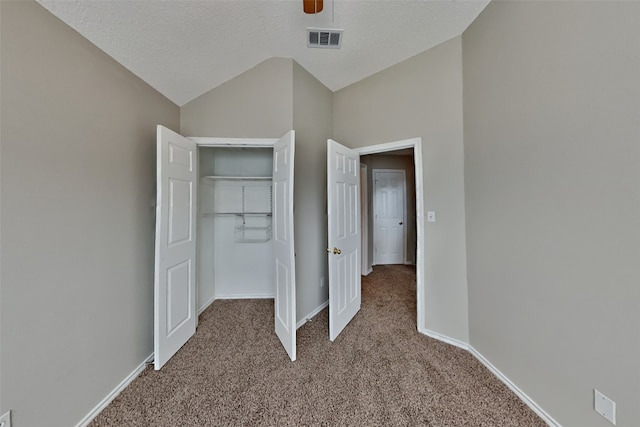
335 251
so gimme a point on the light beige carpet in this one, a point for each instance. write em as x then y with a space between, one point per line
380 371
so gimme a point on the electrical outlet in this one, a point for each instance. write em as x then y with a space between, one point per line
604 406
5 420
431 216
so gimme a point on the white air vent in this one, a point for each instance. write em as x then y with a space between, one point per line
324 38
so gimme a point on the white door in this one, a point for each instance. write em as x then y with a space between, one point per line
283 245
389 216
343 198
175 315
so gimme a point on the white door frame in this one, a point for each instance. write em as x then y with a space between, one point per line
416 145
364 220
404 211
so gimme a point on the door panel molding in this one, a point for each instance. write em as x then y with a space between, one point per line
379 258
343 208
174 313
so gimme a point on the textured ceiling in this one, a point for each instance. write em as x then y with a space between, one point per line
183 48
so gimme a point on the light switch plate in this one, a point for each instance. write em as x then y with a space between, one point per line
604 406
431 216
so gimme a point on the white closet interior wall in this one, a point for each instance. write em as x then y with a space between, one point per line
235 250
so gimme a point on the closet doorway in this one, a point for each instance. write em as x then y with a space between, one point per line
211 220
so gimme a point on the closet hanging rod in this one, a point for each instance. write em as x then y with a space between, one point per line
239 178
237 213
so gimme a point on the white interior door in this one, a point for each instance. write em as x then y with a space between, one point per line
389 216
343 194
283 244
175 315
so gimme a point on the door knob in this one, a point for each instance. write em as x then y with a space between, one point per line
400 223
335 251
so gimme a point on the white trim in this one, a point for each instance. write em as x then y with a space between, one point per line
416 144
368 271
312 314
389 146
495 371
404 212
514 388
364 220
435 335
246 296
420 248
114 393
206 305
234 142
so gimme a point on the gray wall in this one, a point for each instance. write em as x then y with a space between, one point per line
552 155
255 104
77 172
400 162
422 96
265 102
313 122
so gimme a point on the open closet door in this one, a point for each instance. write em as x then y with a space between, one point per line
175 315
285 300
343 199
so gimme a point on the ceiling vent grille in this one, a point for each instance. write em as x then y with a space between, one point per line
324 38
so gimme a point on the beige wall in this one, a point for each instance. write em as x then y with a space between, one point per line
399 162
313 122
422 97
552 155
77 172
256 104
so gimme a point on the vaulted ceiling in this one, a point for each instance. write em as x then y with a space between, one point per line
184 48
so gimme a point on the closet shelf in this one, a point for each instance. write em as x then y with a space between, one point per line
208 214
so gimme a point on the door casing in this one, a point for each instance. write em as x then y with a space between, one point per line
416 145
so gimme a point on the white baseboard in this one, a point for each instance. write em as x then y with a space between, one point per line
369 271
313 314
114 393
245 296
444 338
206 305
514 388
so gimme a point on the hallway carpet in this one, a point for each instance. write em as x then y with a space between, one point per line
379 371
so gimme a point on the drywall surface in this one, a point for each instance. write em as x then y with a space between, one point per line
422 97
255 104
312 120
78 173
551 123
398 162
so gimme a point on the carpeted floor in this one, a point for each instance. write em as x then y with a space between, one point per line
380 371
